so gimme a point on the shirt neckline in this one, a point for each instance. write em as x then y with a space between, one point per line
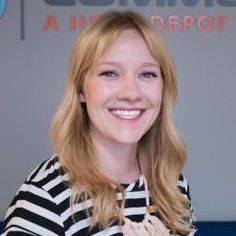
129 186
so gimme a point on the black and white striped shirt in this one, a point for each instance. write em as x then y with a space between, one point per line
42 206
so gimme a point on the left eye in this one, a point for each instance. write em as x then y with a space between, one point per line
108 73
148 74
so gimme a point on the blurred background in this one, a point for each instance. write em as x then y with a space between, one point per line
35 41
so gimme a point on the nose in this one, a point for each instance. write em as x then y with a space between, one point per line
129 90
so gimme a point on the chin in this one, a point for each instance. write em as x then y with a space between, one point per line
128 139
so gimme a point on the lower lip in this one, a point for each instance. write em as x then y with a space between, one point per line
126 120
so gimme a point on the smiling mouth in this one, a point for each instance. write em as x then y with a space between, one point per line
127 114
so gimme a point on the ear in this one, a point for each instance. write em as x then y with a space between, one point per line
82 97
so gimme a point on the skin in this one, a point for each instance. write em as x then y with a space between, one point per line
123 93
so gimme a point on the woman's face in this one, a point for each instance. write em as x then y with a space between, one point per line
123 91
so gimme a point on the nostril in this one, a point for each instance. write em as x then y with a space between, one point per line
129 91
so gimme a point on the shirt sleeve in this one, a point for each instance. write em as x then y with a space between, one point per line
33 212
185 190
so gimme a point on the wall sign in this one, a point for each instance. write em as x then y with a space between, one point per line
3 4
172 23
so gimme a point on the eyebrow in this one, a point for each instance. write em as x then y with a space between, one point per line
151 64
114 63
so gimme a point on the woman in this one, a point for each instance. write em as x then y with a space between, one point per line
118 155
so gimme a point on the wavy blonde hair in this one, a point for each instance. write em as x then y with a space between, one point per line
161 153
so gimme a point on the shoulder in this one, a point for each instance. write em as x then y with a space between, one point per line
35 209
42 180
183 186
48 177
42 171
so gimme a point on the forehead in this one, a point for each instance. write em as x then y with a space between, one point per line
129 43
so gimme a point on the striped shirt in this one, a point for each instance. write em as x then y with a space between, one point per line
42 206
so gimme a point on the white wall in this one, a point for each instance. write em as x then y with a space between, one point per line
33 73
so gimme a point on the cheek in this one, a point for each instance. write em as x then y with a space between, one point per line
96 92
154 95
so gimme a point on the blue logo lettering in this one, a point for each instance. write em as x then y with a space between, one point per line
3 4
61 2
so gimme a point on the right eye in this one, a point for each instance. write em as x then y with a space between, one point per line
108 73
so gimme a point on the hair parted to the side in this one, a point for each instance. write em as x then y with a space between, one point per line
160 151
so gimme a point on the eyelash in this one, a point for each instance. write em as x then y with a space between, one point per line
149 75
144 75
109 73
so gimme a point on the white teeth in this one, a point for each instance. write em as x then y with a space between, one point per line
125 114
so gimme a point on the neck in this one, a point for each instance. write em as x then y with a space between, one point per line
117 161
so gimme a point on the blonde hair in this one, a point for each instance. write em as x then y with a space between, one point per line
161 153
